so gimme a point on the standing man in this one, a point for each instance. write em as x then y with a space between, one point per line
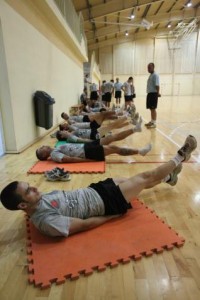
153 92
129 91
118 91
109 87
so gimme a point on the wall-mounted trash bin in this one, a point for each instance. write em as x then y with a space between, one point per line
43 104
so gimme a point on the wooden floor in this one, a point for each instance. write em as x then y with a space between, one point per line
171 275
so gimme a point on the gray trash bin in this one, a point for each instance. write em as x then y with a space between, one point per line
43 104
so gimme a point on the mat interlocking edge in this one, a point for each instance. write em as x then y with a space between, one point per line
83 167
138 233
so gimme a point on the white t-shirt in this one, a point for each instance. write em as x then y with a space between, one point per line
118 86
128 88
108 87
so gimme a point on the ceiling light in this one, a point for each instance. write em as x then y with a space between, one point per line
189 4
169 25
132 16
126 33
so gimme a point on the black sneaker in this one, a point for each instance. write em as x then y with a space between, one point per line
188 147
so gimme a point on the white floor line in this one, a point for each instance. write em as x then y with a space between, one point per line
172 141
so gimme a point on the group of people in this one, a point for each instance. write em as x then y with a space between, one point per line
87 140
63 213
111 88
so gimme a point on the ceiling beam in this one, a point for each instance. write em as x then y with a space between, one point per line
113 6
130 38
175 16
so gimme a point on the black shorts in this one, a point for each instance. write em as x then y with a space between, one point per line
112 197
128 98
94 135
94 125
93 95
94 151
118 94
108 97
103 97
152 101
86 118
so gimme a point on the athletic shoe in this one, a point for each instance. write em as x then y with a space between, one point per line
135 118
152 125
148 124
189 146
174 175
58 174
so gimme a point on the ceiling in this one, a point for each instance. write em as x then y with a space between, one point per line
107 21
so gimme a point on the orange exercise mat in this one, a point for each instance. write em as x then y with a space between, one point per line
139 232
83 167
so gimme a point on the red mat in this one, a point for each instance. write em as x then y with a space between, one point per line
139 232
84 167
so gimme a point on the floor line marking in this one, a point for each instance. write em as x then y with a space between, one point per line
173 142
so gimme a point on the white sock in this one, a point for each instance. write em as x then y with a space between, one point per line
167 178
145 150
138 126
177 159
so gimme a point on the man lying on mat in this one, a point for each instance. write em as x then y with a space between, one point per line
90 130
62 213
89 135
98 117
93 151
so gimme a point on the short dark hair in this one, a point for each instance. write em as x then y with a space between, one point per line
40 157
9 198
59 136
61 127
152 64
130 78
62 114
102 109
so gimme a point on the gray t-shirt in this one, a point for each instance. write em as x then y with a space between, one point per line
55 210
83 133
72 150
152 82
76 118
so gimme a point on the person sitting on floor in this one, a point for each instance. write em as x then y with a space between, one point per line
63 213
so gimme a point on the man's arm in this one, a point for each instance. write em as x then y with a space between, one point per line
78 225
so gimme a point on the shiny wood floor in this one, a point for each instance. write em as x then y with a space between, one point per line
171 275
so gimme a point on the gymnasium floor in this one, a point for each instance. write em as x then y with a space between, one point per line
171 275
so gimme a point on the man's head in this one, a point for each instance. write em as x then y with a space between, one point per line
151 67
62 135
64 116
117 79
43 152
64 126
112 80
130 79
19 195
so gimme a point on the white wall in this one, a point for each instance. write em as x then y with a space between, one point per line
179 67
32 62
